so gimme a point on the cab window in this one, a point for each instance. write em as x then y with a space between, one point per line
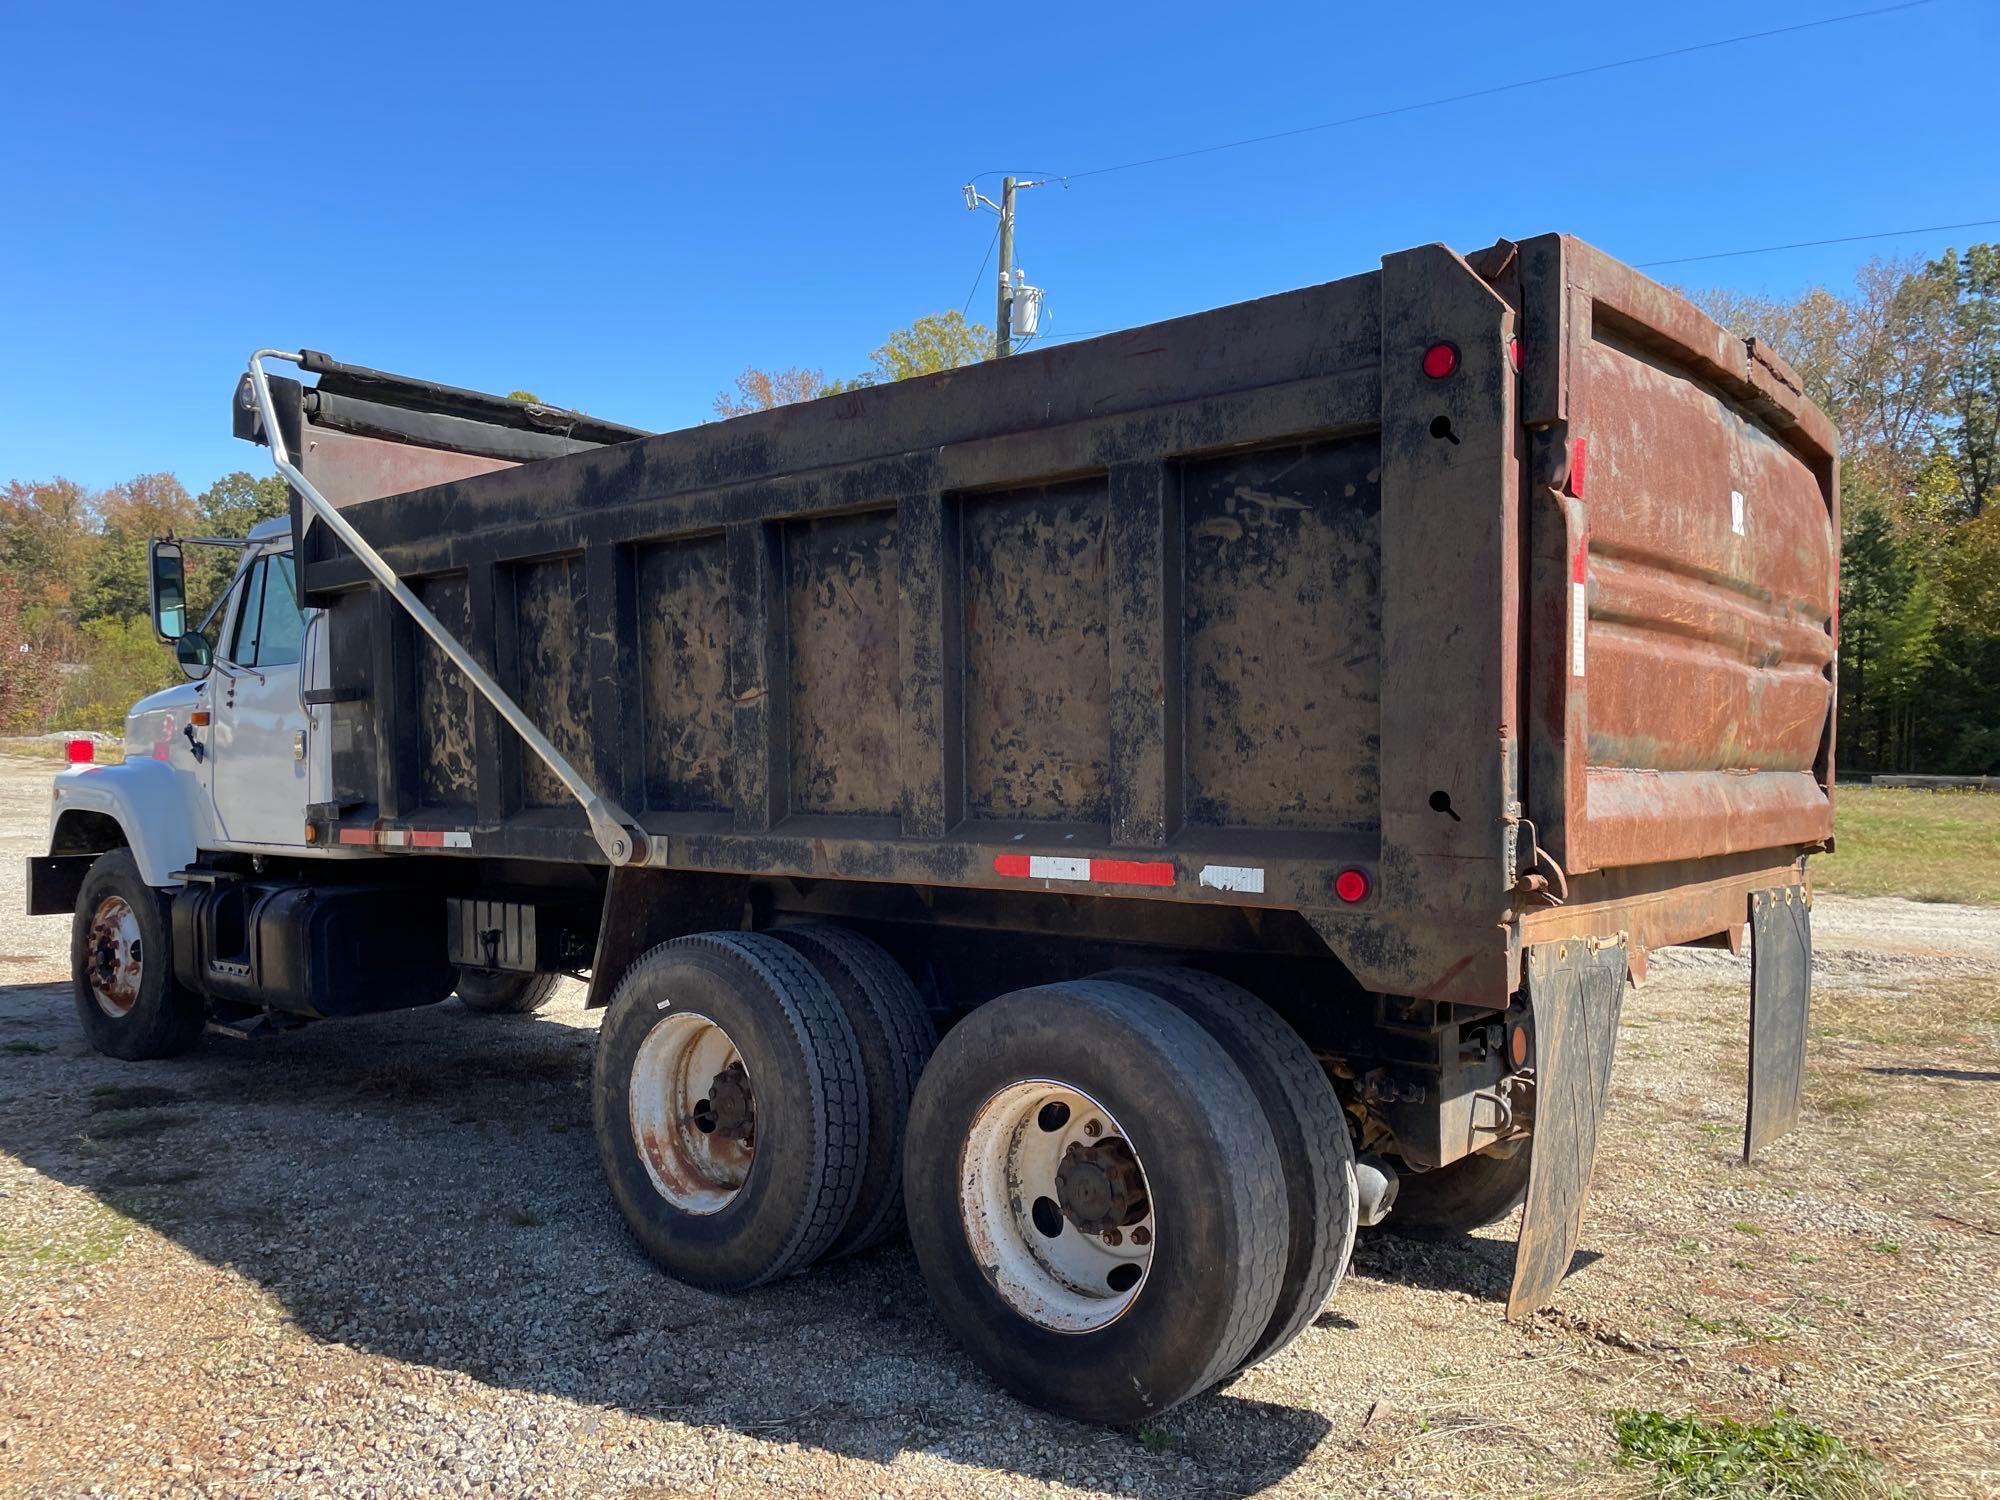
268 623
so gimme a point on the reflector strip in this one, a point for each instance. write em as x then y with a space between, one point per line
407 838
1579 603
1085 871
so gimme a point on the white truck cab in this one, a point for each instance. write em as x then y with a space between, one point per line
227 760
195 885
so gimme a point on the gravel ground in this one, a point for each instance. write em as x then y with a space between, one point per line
375 1258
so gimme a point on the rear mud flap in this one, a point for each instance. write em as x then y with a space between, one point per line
1575 992
1780 994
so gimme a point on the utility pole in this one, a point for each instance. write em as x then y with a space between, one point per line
1003 337
1015 295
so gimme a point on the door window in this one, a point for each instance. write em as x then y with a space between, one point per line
268 625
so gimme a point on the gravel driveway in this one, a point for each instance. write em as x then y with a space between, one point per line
375 1258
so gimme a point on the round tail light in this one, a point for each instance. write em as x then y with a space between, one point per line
1352 885
1441 361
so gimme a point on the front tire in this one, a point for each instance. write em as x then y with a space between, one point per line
121 962
1095 1199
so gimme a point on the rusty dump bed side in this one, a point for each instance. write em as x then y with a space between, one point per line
1212 611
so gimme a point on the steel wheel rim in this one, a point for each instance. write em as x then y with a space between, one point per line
114 958
697 1141
1013 1183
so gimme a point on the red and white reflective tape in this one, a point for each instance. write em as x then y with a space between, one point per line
1579 603
1085 871
407 838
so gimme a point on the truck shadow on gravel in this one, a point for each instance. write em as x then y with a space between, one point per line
424 1187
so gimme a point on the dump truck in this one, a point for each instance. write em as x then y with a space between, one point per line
1131 813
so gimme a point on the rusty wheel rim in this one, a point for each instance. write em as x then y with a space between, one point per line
115 959
693 1115
1056 1206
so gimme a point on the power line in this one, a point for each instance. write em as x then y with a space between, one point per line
981 274
1498 88
1682 260
1845 239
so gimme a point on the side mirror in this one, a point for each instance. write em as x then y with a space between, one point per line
193 653
168 581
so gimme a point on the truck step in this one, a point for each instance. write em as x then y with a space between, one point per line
251 1028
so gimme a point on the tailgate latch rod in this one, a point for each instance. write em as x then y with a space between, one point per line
617 833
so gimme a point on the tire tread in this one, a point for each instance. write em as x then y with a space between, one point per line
1321 1179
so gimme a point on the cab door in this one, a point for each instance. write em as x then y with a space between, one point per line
258 743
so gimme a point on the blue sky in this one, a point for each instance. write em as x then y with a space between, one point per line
622 207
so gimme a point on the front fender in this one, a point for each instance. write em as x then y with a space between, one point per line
148 801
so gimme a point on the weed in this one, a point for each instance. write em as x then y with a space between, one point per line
1886 1247
521 1217
1153 1437
1784 1459
24 1049
1744 1226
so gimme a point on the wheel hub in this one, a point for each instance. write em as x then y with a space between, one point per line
116 956
693 1113
1055 1205
729 1109
1100 1188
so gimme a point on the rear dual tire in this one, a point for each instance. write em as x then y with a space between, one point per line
1469 1193
750 1095
494 993
1306 1121
1204 1176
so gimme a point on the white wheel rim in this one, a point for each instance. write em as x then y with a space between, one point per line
1021 1143
697 1148
114 957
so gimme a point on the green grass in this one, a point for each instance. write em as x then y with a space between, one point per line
1928 846
1782 1459
89 1239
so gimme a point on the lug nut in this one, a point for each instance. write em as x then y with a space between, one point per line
1140 1236
1092 1127
1113 1237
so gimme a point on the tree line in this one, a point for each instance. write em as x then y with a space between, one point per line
1907 365
76 635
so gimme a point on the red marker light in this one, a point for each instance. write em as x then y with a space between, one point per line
82 752
1351 886
1514 353
1441 361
